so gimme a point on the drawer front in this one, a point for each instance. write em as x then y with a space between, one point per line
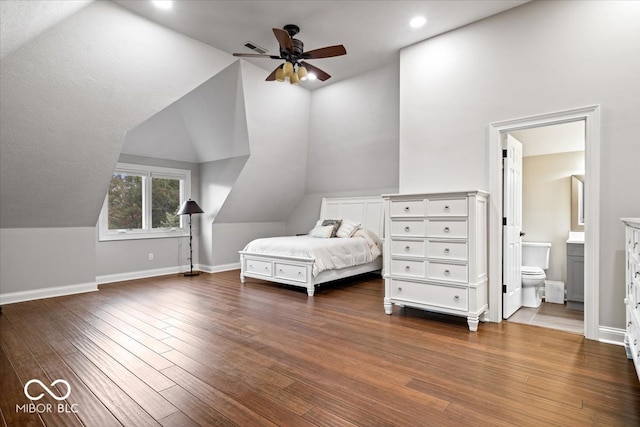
449 272
400 267
257 267
407 208
449 297
413 248
447 250
408 228
297 273
447 228
447 207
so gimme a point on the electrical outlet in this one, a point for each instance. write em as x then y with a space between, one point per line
150 257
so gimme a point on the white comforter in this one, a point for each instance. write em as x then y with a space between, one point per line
334 253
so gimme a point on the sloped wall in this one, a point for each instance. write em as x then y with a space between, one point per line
67 99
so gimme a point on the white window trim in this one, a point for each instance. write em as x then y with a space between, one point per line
148 172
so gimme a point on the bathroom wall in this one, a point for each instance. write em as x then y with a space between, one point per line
546 203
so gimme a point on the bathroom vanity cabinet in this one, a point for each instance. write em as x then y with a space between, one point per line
435 253
575 276
632 290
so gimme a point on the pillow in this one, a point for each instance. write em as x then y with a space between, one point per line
347 228
323 231
333 222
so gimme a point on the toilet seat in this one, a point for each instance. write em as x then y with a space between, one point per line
531 271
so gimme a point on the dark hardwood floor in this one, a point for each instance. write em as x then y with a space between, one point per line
207 350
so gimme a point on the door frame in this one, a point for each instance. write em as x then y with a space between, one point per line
591 116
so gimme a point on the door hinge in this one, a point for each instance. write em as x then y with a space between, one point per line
504 289
504 154
504 220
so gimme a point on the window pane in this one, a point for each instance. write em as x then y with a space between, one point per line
165 200
125 202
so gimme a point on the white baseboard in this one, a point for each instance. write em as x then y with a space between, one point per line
611 335
220 268
56 291
143 274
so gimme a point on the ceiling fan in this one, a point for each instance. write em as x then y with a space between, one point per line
292 52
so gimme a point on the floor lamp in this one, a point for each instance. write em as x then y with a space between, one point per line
189 208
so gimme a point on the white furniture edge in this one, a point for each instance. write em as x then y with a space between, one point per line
371 217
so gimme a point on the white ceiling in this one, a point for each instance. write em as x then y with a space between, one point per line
552 139
372 32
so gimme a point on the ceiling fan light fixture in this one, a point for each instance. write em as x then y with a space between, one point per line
293 79
302 73
311 76
280 74
288 69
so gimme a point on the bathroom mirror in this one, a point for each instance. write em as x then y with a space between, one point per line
577 202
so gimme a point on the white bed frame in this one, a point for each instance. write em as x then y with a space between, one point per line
297 271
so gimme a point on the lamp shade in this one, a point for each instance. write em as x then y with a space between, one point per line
189 207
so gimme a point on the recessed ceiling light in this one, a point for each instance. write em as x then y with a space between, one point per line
418 21
162 4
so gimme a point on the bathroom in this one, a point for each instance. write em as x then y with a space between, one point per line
553 164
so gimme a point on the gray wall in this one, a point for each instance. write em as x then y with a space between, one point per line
68 96
538 58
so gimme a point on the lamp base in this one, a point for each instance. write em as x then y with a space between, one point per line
191 273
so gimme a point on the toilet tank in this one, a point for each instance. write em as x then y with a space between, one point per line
536 254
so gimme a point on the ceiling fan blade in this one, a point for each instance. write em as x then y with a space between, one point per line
271 77
321 75
325 52
284 39
255 55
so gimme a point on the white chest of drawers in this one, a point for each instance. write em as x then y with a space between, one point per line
435 253
632 290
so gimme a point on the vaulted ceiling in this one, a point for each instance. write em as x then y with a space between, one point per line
77 76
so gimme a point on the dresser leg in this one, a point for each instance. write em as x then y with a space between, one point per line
388 307
473 323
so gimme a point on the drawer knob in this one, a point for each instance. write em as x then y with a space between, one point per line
446 207
266 268
407 248
407 228
635 342
281 270
456 298
446 250
447 272
446 229
399 289
407 209
407 268
637 274
635 245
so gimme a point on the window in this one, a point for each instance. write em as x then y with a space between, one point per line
142 202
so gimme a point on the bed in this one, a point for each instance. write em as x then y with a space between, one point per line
307 261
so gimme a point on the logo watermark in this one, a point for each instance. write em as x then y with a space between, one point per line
39 408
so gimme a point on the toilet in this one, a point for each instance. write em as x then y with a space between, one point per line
535 259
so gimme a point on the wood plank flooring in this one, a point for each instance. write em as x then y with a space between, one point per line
207 350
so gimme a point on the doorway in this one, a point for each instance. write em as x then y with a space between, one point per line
539 166
591 117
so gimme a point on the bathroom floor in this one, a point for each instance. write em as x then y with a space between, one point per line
550 315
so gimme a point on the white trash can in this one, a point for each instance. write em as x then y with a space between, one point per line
554 291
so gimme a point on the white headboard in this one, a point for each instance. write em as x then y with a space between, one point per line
368 211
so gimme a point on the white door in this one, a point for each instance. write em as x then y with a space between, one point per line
512 226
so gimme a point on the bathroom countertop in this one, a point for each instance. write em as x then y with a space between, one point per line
576 237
